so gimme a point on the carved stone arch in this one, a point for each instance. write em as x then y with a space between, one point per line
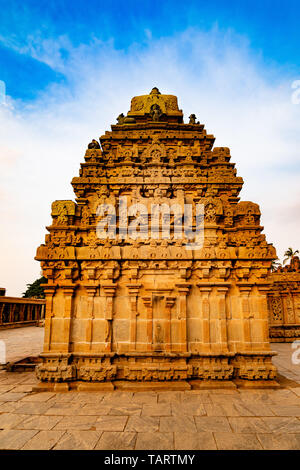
213 208
155 154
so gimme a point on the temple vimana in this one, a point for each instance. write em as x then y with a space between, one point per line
149 310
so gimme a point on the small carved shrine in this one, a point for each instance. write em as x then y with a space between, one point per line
138 311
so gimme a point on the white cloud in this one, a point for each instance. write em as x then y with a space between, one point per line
245 103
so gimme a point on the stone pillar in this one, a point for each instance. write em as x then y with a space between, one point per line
170 301
183 289
49 294
245 290
133 290
288 307
109 291
295 294
2 305
148 304
91 291
262 321
205 311
68 291
222 290
11 312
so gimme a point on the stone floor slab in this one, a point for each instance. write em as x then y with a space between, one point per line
14 439
214 410
83 423
169 397
194 441
11 396
282 424
145 397
232 441
43 440
64 409
9 406
142 424
31 408
177 424
42 423
280 441
286 410
154 441
116 441
5 388
94 410
111 423
247 425
212 424
127 410
196 396
10 420
159 409
188 409
78 440
38 397
89 398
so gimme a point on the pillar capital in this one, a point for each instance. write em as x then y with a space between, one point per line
133 289
183 288
68 289
109 289
49 289
170 301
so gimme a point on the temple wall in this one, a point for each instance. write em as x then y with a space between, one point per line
284 303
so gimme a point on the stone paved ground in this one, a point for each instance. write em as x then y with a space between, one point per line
216 419
22 342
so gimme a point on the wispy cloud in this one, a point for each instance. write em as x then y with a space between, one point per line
245 103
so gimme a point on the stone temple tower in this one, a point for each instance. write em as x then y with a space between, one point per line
132 304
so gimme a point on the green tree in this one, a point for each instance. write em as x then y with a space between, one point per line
35 289
289 254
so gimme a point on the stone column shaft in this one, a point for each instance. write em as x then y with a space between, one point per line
49 294
264 315
91 291
222 317
133 293
170 301
109 291
205 311
67 316
245 291
148 304
183 290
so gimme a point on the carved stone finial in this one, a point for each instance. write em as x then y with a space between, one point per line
155 91
94 144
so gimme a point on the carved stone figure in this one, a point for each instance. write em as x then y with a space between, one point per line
192 119
94 144
155 112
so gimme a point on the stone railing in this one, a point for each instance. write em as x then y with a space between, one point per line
16 312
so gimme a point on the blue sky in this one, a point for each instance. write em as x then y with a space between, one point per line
270 26
71 67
